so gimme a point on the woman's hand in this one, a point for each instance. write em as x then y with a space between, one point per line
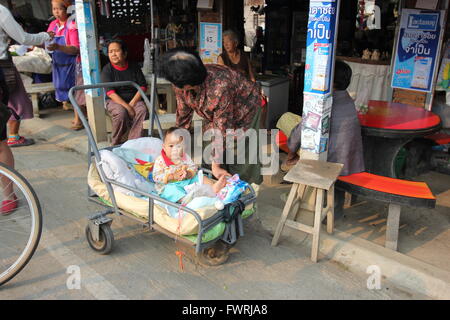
51 34
180 175
130 111
53 47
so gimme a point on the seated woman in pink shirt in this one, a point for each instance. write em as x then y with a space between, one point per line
66 58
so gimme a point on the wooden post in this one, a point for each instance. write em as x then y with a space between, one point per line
317 223
85 17
393 223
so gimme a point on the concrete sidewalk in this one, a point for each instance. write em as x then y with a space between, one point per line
420 267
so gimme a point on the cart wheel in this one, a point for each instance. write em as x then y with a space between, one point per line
106 239
215 255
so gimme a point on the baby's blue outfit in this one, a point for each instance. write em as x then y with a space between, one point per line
174 191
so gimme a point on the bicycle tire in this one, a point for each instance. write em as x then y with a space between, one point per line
36 213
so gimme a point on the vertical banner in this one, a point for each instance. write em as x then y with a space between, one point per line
88 45
210 41
320 51
443 81
417 49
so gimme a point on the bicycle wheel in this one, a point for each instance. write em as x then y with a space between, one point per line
20 223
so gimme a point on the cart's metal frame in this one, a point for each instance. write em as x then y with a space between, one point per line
234 229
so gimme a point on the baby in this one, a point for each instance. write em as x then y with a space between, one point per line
174 170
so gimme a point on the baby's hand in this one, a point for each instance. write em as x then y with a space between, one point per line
180 174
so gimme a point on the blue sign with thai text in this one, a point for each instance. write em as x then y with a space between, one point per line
417 49
320 46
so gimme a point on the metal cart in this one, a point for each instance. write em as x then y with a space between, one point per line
98 230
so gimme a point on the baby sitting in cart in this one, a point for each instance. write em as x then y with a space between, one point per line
174 172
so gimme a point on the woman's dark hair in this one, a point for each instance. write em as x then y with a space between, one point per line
182 67
342 75
120 42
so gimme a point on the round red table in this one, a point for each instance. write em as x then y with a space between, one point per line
387 127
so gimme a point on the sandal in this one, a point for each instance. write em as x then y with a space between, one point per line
77 127
8 206
21 142
67 106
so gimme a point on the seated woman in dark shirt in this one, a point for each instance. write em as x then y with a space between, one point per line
124 104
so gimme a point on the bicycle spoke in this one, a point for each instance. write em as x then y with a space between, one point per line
15 231
9 248
14 219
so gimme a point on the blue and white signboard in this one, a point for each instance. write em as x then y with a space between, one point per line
317 101
210 41
320 46
89 58
417 49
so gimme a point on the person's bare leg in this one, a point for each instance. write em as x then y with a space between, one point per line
76 118
218 171
13 126
216 185
7 158
76 122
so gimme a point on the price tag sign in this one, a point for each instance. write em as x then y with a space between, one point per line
210 41
417 49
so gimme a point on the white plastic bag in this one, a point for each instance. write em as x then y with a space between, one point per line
148 145
147 68
362 100
117 169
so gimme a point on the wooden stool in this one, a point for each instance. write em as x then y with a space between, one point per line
320 176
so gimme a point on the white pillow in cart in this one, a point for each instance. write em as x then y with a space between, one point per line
117 169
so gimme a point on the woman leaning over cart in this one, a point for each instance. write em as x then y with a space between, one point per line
66 59
221 96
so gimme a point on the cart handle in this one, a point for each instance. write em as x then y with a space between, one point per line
158 198
152 114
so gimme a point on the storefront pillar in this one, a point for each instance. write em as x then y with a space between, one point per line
319 72
85 17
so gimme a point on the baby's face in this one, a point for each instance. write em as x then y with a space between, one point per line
173 147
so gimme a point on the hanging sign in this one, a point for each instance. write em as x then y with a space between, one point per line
320 46
210 41
443 81
417 49
317 101
89 58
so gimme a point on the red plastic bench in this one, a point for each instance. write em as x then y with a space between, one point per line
440 138
396 192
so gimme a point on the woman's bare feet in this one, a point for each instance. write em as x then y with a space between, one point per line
220 184
292 158
76 126
291 161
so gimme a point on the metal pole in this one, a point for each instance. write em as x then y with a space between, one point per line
153 56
